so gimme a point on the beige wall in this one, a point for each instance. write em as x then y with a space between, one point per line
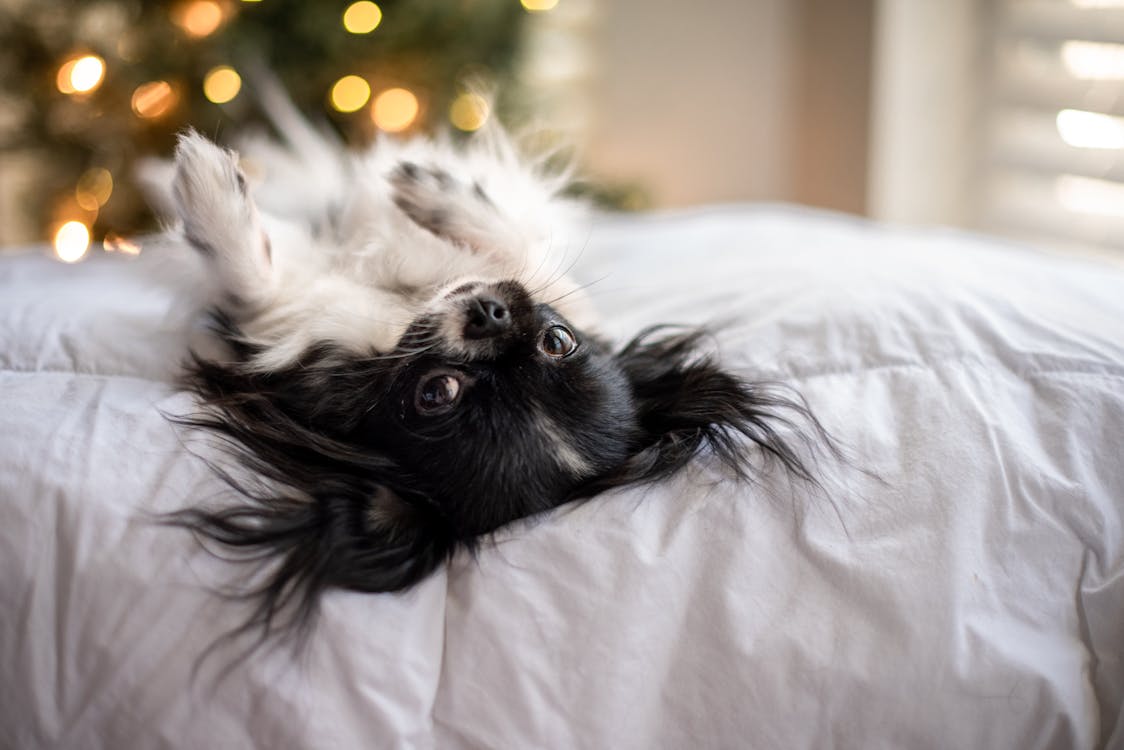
732 100
927 70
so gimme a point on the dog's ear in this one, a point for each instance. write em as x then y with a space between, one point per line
686 403
374 542
315 512
220 220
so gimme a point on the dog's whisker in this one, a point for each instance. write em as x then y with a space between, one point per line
560 272
579 288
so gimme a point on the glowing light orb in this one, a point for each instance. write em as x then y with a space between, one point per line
538 6
80 75
350 93
94 188
153 99
362 17
469 112
394 110
222 84
72 240
115 243
199 18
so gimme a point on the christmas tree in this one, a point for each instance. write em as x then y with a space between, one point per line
93 85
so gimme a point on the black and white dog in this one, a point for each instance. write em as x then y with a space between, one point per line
408 368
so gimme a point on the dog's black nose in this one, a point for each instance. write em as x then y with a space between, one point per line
486 317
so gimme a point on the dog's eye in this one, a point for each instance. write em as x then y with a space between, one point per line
558 342
437 394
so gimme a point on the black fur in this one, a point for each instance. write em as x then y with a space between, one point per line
362 491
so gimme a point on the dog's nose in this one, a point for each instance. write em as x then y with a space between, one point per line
486 317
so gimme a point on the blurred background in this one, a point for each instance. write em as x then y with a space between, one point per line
1004 116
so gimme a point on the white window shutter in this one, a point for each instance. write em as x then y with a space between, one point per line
1052 157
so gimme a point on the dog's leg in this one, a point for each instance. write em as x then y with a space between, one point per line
454 210
221 221
520 235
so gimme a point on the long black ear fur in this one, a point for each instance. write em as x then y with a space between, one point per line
316 514
687 403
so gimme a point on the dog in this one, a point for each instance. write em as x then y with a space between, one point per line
407 367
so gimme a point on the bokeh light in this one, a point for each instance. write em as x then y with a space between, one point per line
221 84
72 240
362 17
199 18
94 188
153 99
538 6
114 243
350 93
394 110
469 112
80 75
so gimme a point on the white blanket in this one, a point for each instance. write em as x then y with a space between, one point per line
969 595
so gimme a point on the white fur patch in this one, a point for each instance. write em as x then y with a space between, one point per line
567 455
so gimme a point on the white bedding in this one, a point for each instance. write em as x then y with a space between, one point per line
972 597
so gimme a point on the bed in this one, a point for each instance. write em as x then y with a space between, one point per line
959 583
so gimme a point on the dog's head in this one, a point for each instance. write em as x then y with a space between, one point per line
496 407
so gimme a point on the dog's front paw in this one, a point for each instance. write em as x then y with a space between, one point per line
219 217
447 207
209 190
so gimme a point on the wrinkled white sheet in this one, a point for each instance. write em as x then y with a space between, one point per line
972 598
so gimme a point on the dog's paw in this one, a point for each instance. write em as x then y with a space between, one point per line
449 208
209 190
219 217
204 168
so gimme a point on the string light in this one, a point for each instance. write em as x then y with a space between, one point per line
94 188
469 112
538 6
153 99
222 84
362 17
115 243
198 18
80 75
394 110
128 48
72 240
350 93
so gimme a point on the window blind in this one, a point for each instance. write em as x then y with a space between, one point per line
1052 166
